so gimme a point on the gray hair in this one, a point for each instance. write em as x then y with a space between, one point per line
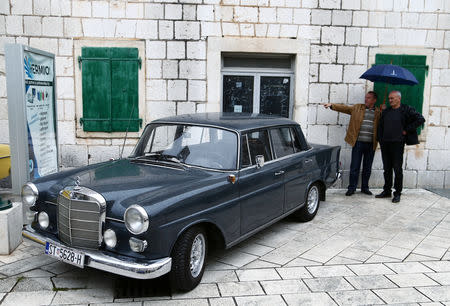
398 93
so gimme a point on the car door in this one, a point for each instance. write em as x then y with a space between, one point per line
298 168
261 190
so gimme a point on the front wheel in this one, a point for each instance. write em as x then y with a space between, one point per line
188 259
309 210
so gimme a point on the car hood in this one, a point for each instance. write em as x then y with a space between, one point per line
124 182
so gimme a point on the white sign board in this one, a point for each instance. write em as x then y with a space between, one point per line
39 103
30 80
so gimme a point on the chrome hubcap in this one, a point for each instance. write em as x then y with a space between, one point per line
313 199
197 255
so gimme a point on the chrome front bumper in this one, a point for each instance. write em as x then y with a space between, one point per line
338 179
101 261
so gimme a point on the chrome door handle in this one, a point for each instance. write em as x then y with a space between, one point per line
279 173
308 160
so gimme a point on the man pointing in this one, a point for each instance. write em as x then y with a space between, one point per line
361 135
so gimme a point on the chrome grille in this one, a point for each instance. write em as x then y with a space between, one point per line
81 213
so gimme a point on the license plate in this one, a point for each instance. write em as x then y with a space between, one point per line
65 254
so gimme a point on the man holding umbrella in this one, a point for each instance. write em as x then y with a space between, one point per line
362 136
398 125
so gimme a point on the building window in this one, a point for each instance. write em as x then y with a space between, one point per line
110 89
411 95
258 83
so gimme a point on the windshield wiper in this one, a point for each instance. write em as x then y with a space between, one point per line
163 157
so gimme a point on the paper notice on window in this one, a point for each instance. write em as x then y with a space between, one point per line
238 108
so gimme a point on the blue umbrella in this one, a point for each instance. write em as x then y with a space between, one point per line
390 74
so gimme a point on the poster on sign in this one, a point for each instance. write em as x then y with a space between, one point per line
39 103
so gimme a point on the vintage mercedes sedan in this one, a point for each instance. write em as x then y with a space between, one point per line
192 182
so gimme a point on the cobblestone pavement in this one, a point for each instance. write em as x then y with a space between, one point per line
358 250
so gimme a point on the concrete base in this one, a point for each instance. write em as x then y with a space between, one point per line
10 228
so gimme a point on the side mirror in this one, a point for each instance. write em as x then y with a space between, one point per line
259 161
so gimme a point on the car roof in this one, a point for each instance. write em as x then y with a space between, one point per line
234 121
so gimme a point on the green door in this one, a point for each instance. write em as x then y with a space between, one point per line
411 95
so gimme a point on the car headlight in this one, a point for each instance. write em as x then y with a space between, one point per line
29 194
136 219
110 238
43 220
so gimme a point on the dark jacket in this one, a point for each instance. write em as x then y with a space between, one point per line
411 120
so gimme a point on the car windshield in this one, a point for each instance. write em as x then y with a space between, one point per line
189 144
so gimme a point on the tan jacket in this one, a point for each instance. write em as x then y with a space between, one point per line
356 113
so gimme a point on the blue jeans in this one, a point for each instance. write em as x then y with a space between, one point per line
360 150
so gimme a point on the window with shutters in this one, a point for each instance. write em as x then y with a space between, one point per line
411 95
110 89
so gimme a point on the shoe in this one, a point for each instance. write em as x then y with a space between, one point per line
383 194
349 193
396 199
366 191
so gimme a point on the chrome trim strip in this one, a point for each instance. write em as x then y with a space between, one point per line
114 219
102 261
51 203
252 232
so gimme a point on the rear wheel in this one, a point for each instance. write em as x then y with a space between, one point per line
309 210
188 259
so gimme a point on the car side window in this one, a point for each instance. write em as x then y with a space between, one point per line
245 154
258 144
296 141
282 142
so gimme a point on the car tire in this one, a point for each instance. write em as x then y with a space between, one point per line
309 210
188 259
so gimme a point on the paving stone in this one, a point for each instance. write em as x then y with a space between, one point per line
438 266
411 280
37 273
255 249
356 254
442 278
70 282
330 271
257 274
219 276
187 302
83 296
337 260
408 267
237 258
24 265
284 286
7 284
370 282
300 262
259 264
59 267
393 252
436 293
30 298
268 300
240 288
327 284
417 257
358 297
430 250
370 269
215 265
378 259
294 273
401 295
201 291
34 284
309 299
228 301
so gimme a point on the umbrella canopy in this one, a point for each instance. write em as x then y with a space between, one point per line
390 74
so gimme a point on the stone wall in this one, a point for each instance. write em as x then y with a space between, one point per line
343 35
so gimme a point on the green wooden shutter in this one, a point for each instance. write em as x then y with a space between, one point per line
411 95
110 89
